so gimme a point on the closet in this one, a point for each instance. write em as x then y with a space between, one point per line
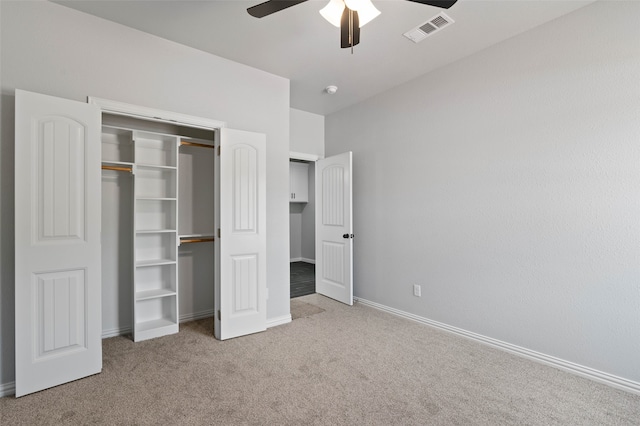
158 198
127 220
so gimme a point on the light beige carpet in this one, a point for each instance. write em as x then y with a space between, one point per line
300 309
343 366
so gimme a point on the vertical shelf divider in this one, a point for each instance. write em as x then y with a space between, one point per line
155 298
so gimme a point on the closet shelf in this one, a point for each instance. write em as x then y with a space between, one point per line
155 166
206 235
117 163
197 143
155 325
153 262
154 231
154 294
197 240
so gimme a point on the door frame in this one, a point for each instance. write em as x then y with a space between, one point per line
313 158
151 114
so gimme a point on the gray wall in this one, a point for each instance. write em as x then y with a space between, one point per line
54 50
507 185
307 132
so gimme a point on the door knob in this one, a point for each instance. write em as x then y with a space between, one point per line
345 235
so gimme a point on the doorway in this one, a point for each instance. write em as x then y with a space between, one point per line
321 221
302 228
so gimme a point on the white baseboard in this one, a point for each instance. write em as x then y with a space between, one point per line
580 370
116 332
295 259
281 320
7 389
197 315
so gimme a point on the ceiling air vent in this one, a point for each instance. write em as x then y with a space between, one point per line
432 26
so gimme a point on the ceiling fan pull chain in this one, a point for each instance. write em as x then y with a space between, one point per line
351 29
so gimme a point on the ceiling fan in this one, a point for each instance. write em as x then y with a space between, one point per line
348 15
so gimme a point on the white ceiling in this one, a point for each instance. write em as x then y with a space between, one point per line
297 43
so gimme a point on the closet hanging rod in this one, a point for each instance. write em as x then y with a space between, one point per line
117 168
200 145
196 240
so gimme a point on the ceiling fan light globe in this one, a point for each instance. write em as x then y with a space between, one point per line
332 12
357 5
367 12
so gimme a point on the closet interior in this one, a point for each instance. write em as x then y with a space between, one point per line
157 225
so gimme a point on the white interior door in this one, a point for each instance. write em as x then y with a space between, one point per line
334 231
240 298
57 241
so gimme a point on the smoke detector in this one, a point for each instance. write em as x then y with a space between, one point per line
428 28
331 89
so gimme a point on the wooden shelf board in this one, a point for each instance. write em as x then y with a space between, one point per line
154 231
207 235
154 294
153 262
155 328
155 166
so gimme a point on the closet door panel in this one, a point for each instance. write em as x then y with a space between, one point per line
58 270
242 296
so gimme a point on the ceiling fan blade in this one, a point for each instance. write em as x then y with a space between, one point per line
349 38
444 4
272 6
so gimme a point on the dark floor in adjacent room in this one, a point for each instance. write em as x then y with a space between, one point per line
303 278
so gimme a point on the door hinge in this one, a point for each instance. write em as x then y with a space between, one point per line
219 150
219 317
218 232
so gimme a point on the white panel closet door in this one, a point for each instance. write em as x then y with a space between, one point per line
57 241
334 231
241 297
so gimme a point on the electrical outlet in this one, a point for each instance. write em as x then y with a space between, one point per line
417 290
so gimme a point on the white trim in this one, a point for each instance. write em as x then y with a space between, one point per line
197 315
113 332
7 389
577 369
303 156
281 320
295 259
121 108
